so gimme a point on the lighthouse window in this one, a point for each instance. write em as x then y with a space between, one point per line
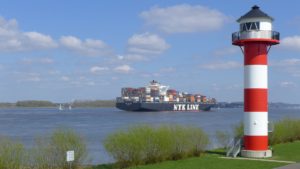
249 26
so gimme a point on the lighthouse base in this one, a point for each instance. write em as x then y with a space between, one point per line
256 154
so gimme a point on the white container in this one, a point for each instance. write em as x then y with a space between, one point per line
148 90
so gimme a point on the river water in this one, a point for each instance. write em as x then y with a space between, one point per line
96 123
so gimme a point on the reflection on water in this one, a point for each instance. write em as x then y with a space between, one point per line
95 124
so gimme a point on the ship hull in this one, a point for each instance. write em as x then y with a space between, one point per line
137 106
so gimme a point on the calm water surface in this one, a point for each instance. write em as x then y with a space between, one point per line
95 124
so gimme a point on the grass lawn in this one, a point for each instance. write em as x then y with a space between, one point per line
212 160
205 162
209 162
287 151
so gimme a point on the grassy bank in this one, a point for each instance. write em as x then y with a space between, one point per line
145 144
205 162
138 147
212 160
287 151
48 152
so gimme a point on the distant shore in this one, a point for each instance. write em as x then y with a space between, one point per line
49 104
112 103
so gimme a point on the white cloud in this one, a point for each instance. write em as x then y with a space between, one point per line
123 69
233 87
91 83
142 46
184 18
33 78
30 61
286 84
98 69
89 47
135 57
147 43
12 39
53 72
114 78
29 77
291 66
167 70
65 78
292 42
46 61
120 57
150 75
226 51
215 87
221 65
40 40
287 62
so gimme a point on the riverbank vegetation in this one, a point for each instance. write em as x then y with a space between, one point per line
48 152
284 131
34 103
148 147
94 103
7 105
142 145
214 160
11 154
44 103
145 144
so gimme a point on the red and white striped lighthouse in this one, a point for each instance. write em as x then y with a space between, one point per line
255 39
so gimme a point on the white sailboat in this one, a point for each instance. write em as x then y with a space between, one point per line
70 107
60 107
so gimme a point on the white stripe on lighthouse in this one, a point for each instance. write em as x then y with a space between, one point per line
256 123
256 76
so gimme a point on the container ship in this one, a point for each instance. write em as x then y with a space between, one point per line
158 97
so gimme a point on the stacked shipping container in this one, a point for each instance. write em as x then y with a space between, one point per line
156 92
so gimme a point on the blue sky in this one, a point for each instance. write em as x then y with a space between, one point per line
66 50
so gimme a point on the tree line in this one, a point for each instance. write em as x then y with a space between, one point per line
45 103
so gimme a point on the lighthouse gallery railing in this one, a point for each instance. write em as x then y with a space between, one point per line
255 34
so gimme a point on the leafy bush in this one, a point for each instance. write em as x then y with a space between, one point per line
223 138
11 154
50 152
238 130
286 130
145 144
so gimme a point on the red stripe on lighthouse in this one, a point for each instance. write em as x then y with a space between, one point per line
256 96
255 100
256 142
255 54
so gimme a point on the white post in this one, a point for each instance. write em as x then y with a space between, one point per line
70 157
